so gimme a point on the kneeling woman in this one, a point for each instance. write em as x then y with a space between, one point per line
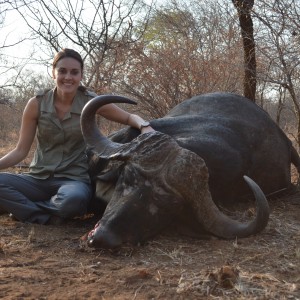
57 185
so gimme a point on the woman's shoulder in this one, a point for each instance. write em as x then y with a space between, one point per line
43 99
90 94
87 92
42 93
32 108
84 96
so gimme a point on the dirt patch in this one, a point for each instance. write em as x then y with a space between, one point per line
50 262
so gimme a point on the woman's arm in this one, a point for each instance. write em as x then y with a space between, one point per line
26 137
114 113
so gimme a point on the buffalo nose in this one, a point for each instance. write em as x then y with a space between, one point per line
104 239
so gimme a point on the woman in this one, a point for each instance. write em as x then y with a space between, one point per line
57 185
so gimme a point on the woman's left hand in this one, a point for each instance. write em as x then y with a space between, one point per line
147 129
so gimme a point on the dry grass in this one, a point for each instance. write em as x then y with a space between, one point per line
51 262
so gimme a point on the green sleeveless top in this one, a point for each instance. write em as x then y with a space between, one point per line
60 148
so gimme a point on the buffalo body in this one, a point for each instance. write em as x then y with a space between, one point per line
201 152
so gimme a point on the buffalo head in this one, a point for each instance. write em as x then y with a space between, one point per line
151 182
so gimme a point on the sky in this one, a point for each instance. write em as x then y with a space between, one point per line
13 31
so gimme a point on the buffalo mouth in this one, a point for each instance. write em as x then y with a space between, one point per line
99 238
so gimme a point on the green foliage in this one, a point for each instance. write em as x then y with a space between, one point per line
167 26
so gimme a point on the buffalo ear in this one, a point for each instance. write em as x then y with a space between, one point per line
96 163
121 155
111 175
126 151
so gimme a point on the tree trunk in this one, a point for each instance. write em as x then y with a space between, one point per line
244 10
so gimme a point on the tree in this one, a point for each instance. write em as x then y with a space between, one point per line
186 50
98 29
278 48
244 8
8 70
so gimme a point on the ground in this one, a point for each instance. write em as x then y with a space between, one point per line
52 262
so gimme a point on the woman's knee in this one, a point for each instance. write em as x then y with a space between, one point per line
73 200
7 178
9 184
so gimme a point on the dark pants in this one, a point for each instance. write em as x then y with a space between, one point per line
35 200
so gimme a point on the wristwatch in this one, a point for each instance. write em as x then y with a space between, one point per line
144 124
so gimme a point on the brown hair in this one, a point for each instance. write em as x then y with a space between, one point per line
67 53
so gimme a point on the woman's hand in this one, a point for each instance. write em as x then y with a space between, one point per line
147 129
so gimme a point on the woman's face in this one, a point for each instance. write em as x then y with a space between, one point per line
67 75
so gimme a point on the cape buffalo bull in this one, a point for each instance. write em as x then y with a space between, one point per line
199 156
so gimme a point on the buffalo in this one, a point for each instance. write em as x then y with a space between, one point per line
208 150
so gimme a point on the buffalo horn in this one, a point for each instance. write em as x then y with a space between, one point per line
94 139
222 226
